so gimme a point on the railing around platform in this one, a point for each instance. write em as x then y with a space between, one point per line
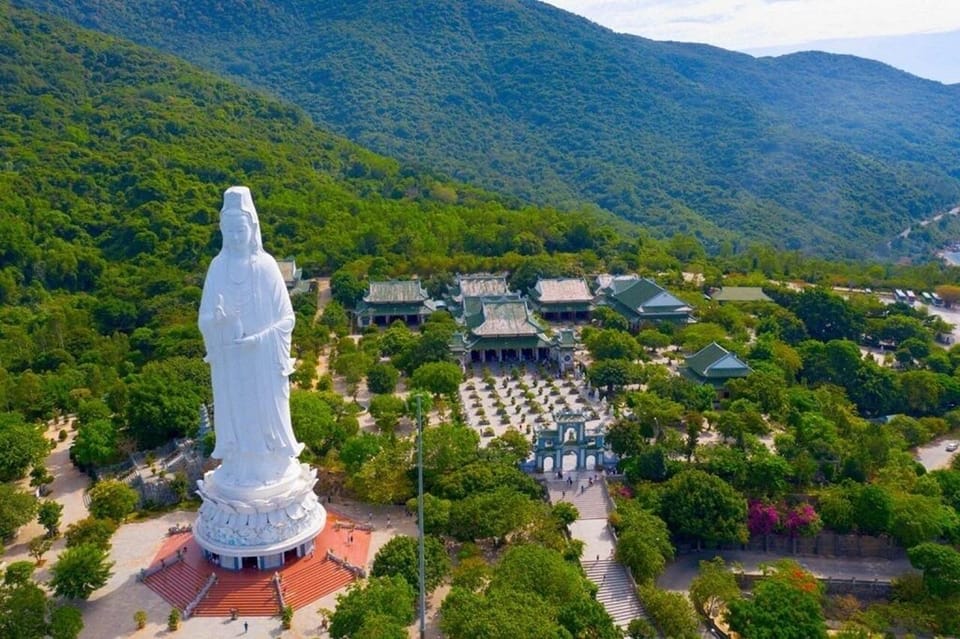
343 562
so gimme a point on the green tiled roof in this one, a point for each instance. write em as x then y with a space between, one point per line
411 308
740 294
562 290
715 362
500 341
646 295
566 339
395 292
482 286
641 298
508 317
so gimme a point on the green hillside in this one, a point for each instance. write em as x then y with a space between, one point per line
827 154
113 160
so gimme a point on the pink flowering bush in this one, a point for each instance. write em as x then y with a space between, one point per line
801 520
762 518
622 490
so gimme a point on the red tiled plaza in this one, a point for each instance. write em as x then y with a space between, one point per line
250 591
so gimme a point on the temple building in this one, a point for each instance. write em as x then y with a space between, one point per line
386 302
468 290
739 294
562 299
292 276
640 300
503 329
713 364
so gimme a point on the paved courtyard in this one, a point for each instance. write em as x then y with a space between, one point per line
109 612
499 397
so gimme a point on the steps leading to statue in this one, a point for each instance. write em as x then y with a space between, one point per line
178 584
244 591
251 592
304 586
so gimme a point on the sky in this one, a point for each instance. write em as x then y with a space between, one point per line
780 26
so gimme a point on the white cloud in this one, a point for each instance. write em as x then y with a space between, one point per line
746 24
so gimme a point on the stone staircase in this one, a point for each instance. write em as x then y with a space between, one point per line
249 591
178 584
591 503
616 590
308 581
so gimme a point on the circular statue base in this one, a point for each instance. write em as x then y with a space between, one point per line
242 525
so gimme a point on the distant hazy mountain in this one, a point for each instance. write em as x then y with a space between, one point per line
935 56
824 153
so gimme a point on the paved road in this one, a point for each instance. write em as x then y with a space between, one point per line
67 489
935 454
681 572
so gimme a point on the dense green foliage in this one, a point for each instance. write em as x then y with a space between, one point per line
26 613
399 557
16 508
831 154
381 601
531 592
21 446
786 604
79 571
113 160
112 499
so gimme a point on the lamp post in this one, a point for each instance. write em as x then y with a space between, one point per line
420 553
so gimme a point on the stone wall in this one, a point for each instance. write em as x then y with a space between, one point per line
863 589
824 544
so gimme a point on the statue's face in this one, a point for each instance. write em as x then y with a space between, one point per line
236 233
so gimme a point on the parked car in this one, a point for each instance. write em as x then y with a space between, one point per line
953 445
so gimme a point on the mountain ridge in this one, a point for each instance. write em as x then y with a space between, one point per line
921 54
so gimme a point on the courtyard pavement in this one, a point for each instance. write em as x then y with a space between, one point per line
109 612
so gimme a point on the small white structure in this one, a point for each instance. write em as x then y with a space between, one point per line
259 508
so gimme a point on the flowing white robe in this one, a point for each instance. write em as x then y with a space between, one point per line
251 389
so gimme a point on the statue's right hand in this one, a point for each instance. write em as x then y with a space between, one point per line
219 313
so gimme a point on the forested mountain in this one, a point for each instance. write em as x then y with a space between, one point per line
824 153
113 160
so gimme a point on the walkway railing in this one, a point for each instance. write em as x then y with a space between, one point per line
340 561
165 563
277 586
211 580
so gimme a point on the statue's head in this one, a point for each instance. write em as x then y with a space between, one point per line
239 223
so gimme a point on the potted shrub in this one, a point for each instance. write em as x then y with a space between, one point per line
140 618
173 620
